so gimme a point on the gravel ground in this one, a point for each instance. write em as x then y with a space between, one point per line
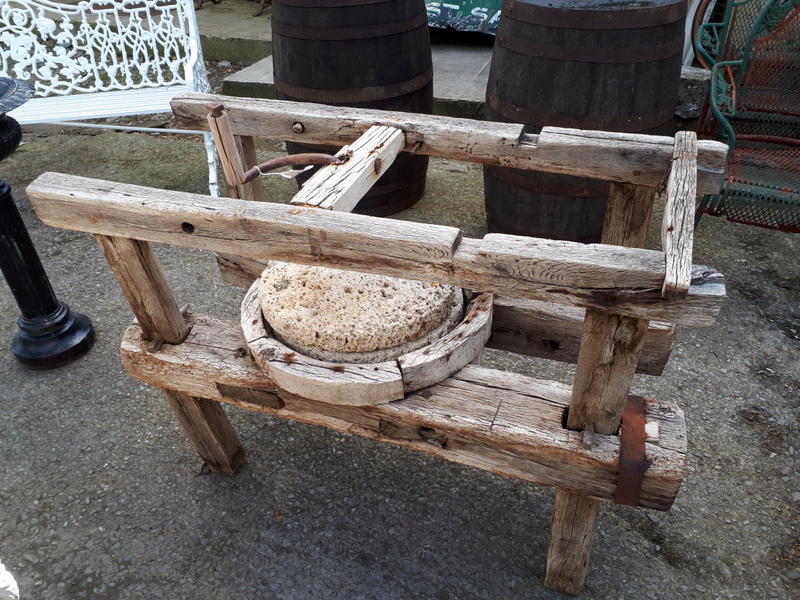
102 497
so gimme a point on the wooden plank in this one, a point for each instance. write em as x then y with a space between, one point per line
209 431
229 151
611 346
554 331
253 190
340 187
610 349
497 421
451 353
573 264
355 242
239 270
628 214
161 321
630 158
143 283
569 550
677 229
291 233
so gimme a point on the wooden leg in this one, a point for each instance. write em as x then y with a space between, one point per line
209 430
611 345
571 536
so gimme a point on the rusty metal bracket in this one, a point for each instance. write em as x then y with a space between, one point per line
632 458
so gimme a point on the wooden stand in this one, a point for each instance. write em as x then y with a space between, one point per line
613 306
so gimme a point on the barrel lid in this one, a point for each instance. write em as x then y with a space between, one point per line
591 14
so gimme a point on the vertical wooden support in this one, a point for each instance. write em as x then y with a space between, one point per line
611 345
151 299
253 190
677 230
208 428
571 536
143 284
235 153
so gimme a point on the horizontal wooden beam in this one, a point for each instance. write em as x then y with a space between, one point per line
553 331
496 421
626 158
576 274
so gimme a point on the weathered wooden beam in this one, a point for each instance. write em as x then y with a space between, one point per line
553 331
611 346
208 430
572 531
677 228
630 158
162 322
142 281
627 218
340 187
493 420
585 276
229 151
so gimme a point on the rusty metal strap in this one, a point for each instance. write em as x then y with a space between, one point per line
575 187
592 53
632 458
349 96
349 34
646 14
636 124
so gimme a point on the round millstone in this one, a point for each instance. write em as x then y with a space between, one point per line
343 316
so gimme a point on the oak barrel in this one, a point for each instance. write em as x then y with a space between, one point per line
359 53
612 66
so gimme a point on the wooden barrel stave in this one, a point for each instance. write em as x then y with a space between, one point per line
365 55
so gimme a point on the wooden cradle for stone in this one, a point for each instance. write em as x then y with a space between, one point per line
611 308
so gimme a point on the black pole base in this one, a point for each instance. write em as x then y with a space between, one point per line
53 341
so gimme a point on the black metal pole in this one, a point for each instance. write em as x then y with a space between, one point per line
50 334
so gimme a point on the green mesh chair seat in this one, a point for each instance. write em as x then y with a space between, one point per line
762 188
756 101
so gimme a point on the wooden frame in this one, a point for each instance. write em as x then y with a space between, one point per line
518 426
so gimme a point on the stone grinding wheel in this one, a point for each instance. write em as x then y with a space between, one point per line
349 338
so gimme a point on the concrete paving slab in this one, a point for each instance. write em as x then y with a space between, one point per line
230 31
103 498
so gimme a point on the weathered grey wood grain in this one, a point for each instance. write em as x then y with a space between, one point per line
677 228
340 187
628 158
142 281
450 353
493 420
356 242
162 322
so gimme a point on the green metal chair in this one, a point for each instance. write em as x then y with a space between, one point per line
755 100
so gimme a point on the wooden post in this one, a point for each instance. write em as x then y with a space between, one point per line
151 299
610 348
571 536
236 152
677 230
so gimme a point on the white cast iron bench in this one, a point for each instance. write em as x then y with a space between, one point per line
99 59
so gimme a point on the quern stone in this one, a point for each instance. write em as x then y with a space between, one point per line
343 316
